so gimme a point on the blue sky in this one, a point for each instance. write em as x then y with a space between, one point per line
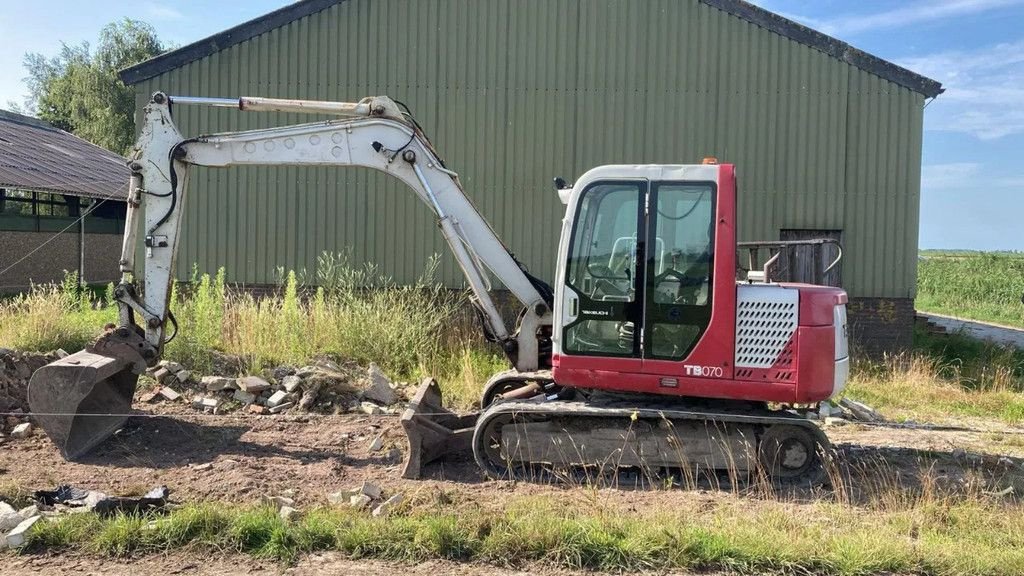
973 171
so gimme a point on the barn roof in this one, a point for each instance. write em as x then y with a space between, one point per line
37 157
739 8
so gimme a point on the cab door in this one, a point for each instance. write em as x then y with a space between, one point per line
678 270
604 285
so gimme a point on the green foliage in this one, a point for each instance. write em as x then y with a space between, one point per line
981 285
79 90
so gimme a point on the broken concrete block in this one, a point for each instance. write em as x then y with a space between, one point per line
210 404
289 514
309 394
343 497
183 376
253 384
388 505
9 517
218 383
281 407
244 397
16 538
360 501
171 366
370 489
169 393
61 353
257 409
835 421
279 397
277 502
379 389
161 375
306 371
377 443
29 511
23 430
291 383
371 409
861 411
203 467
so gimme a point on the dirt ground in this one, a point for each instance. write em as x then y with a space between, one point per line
185 564
315 455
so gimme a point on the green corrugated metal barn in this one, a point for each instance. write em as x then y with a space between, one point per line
826 138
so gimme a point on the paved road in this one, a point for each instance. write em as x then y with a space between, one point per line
981 330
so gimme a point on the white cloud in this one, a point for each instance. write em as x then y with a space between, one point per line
984 90
947 176
909 13
163 12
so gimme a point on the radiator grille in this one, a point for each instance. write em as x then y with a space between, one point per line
766 319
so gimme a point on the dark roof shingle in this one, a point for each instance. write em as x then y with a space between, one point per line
36 156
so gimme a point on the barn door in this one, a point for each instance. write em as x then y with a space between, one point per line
807 264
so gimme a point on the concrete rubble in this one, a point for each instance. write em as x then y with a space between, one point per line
860 411
23 430
323 386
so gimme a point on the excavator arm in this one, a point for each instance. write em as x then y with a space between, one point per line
81 399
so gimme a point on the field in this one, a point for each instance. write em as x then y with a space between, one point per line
986 286
900 500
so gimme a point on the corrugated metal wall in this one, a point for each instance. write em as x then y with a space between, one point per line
514 93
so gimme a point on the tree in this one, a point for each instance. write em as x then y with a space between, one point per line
79 90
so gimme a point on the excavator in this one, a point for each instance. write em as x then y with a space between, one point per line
648 352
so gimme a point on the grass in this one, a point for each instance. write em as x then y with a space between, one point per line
355 315
420 330
986 286
943 378
931 533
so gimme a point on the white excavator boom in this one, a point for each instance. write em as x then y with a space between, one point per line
373 133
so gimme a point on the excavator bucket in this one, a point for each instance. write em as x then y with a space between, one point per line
82 399
432 430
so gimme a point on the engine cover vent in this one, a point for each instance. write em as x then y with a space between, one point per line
766 319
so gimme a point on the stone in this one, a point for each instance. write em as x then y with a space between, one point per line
360 501
281 372
281 407
371 409
291 383
277 502
288 514
244 397
218 383
29 511
342 497
253 384
370 489
61 353
377 443
16 538
306 371
861 411
172 367
203 467
279 397
835 421
309 394
23 430
183 376
211 404
257 409
386 506
169 393
161 375
9 517
149 396
379 389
